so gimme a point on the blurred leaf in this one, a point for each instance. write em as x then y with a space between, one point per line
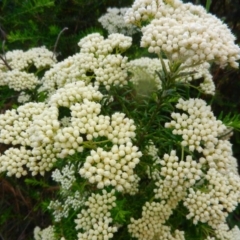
33 7
54 30
208 4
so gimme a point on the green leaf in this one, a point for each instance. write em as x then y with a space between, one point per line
120 215
231 120
35 182
54 30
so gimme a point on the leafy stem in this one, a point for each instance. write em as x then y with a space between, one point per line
93 145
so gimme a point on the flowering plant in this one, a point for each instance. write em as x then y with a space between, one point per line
129 148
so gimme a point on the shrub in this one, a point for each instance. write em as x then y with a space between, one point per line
113 148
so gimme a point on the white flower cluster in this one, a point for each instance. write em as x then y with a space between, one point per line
216 167
151 225
176 177
65 121
46 130
19 62
74 93
99 61
199 128
96 221
66 177
14 125
13 161
115 168
142 11
223 233
36 125
184 32
220 157
23 97
172 181
221 197
18 80
201 131
113 22
44 234
37 128
72 69
152 171
95 43
61 209
16 59
39 57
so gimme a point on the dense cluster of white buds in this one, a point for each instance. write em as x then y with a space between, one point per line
43 139
198 126
44 234
221 197
115 168
184 32
99 61
39 57
95 219
18 80
14 71
151 225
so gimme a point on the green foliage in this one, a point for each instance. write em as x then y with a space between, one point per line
34 7
119 214
22 206
38 22
231 120
8 98
35 182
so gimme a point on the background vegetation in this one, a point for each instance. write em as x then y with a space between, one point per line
38 22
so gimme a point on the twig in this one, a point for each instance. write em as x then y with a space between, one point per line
1 236
56 43
3 56
4 35
5 62
3 43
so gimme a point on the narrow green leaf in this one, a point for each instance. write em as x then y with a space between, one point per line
208 5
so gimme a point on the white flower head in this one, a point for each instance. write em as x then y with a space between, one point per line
184 32
19 80
113 22
44 234
95 219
